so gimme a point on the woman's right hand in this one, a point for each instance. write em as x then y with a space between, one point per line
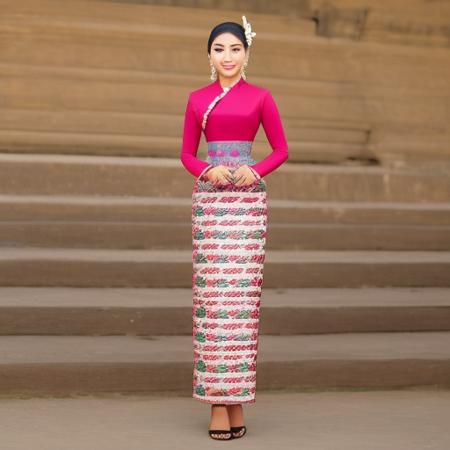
219 175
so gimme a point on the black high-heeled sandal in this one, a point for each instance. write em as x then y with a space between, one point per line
237 430
216 432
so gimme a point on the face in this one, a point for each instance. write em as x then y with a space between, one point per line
228 55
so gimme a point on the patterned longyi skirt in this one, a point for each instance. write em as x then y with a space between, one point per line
229 226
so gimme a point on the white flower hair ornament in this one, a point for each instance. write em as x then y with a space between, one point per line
248 31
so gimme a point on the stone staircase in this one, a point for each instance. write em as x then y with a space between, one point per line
95 276
95 207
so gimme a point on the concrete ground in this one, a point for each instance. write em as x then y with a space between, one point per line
352 420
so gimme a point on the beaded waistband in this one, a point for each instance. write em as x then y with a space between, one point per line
230 153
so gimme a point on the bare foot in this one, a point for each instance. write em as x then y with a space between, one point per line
219 421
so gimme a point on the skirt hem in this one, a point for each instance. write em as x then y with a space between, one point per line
225 402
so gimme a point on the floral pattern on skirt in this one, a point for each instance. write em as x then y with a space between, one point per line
229 226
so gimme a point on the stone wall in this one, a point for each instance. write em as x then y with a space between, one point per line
357 82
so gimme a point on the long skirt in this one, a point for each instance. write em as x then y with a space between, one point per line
229 225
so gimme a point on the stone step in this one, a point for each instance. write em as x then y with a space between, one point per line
120 118
165 268
128 311
145 18
156 129
415 7
38 365
142 36
152 222
24 174
164 209
178 235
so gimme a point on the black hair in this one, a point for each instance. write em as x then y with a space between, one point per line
228 27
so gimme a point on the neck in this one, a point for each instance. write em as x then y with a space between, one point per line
227 83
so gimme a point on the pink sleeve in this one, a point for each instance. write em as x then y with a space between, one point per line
273 128
191 139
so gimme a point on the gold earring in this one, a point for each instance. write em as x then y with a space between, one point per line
244 76
213 76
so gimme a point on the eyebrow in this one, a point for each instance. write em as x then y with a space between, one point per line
221 45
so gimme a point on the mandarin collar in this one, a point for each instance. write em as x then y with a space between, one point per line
238 83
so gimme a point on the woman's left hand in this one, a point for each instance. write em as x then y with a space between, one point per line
243 176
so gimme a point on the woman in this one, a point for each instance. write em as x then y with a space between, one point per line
229 223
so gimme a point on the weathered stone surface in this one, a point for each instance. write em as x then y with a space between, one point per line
113 78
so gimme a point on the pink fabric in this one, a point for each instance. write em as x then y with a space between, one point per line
237 116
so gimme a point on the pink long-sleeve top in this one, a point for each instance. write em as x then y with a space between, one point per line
236 116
